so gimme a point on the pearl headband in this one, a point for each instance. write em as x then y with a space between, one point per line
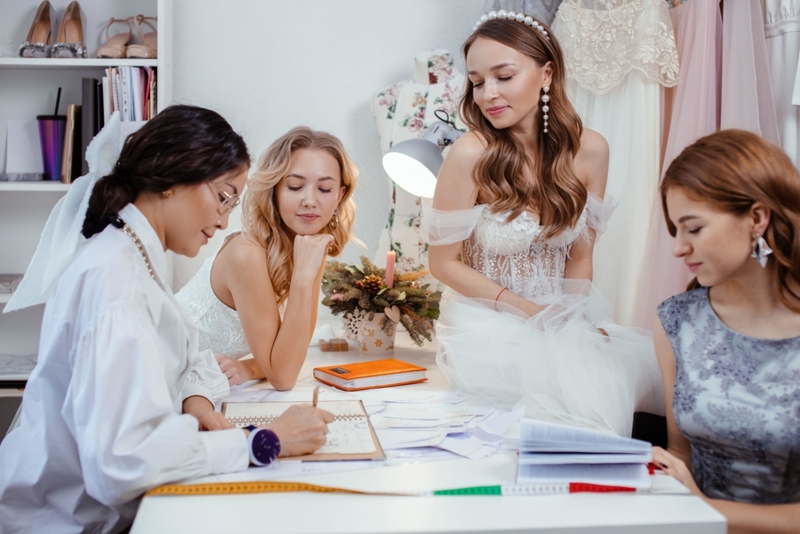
511 15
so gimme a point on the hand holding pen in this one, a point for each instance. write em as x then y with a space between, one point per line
302 429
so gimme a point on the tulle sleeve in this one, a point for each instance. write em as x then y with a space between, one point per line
440 227
598 212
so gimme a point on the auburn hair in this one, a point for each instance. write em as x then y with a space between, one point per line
503 173
732 170
261 219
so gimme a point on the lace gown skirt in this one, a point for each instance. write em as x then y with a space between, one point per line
556 363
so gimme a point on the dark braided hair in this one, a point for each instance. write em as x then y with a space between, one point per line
182 145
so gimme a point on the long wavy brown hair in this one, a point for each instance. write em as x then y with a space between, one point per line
261 219
734 169
503 174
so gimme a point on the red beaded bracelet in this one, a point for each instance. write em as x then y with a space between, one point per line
497 297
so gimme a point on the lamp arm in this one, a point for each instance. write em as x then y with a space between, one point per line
441 134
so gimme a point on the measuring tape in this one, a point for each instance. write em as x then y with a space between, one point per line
233 488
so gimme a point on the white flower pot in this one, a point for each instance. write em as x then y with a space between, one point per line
373 339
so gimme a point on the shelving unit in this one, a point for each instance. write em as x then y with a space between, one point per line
39 187
28 86
39 63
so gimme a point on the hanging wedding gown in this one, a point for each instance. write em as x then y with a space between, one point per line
556 363
692 112
782 29
618 55
747 99
543 10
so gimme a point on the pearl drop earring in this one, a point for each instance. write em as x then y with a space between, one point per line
545 107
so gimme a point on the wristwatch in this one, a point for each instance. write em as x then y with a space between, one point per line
264 445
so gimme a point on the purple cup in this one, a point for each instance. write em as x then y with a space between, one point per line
51 137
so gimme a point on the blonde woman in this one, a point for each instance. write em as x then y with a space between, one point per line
517 207
259 293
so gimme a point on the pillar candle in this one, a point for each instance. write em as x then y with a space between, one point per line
390 257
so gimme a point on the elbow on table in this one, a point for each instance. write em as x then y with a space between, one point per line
283 383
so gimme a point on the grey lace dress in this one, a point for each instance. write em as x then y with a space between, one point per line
737 401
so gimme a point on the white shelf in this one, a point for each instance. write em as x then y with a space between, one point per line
37 63
5 297
46 186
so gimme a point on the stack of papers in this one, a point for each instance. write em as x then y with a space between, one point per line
550 452
414 423
439 419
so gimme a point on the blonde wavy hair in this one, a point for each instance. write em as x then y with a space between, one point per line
732 170
261 219
556 192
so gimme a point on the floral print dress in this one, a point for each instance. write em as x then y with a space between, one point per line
737 401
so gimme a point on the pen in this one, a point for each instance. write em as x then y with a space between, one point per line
315 397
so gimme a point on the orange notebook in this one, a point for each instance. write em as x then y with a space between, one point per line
374 374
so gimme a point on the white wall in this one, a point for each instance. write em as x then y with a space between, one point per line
268 66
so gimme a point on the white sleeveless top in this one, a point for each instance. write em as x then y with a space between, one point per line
219 326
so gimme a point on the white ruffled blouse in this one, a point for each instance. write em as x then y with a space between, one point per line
101 419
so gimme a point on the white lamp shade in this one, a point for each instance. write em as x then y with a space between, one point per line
413 165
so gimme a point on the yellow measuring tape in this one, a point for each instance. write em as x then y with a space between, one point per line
233 488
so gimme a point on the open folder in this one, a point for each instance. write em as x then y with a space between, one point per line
550 452
350 435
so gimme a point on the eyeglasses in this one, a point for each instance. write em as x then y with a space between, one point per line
227 201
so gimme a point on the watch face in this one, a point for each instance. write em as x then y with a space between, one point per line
265 446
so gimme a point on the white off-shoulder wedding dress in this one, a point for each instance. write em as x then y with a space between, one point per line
555 363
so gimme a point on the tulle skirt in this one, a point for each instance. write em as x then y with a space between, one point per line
556 363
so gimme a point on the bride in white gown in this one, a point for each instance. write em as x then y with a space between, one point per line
517 208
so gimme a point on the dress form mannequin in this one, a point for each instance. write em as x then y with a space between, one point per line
404 111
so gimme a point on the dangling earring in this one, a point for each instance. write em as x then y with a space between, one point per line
168 193
761 251
334 222
545 107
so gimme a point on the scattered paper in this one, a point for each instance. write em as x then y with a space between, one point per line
16 366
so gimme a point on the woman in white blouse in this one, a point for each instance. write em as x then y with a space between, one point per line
120 396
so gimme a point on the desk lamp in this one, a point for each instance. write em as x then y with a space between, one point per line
413 164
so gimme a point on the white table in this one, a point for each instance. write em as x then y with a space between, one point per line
340 513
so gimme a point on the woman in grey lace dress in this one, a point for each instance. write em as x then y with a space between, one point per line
729 349
260 293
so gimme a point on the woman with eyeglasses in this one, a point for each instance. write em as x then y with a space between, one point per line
121 395
260 293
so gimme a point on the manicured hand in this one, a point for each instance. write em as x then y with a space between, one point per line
213 421
309 254
301 429
675 468
237 371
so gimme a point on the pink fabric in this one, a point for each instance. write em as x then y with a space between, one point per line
694 113
747 99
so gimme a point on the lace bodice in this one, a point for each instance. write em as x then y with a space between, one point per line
219 326
603 40
737 401
515 253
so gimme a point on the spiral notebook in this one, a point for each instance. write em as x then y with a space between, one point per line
350 435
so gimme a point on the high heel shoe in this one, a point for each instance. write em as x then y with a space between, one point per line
149 46
116 45
40 36
69 43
